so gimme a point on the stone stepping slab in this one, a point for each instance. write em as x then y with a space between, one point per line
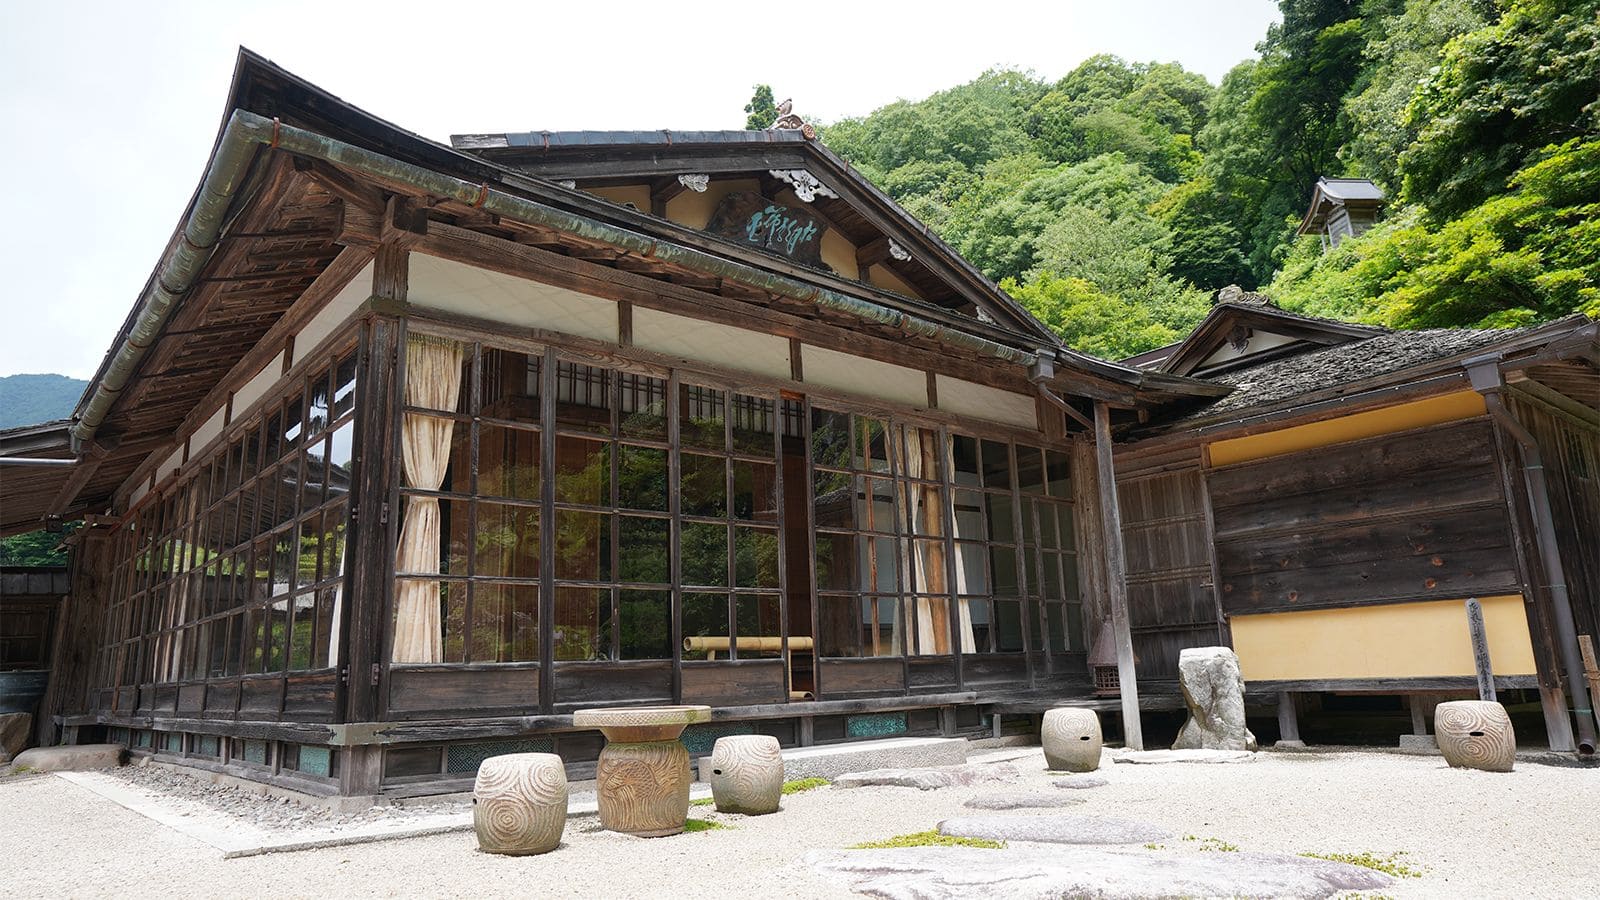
1030 873
1055 829
1081 782
1021 800
927 779
1150 757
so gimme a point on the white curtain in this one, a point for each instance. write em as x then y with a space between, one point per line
926 510
433 381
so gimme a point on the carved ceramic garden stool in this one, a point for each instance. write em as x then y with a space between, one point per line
642 779
1071 739
519 803
746 774
1475 734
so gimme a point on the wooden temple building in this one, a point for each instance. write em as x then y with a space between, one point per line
407 451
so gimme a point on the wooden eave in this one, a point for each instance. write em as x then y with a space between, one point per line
1571 340
1209 335
27 492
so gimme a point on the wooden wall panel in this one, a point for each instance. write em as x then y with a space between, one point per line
1167 547
860 677
309 697
1409 516
416 692
734 683
581 684
988 669
931 675
1571 453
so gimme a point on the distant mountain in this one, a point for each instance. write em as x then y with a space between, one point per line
31 399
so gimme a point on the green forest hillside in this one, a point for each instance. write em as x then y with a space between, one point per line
31 399
1114 201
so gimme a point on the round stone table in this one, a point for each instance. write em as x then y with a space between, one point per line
642 780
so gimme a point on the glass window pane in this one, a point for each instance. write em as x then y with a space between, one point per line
1058 473
1003 567
703 485
1055 614
840 626
645 629
344 386
978 626
996 465
583 545
304 612
760 628
705 616
453 601
927 509
972 568
583 397
835 561
969 515
880 626
278 636
754 419
644 407
512 384
705 554
702 417
878 505
756 557
645 546
874 447
881 569
964 454
830 438
755 491
1065 526
1008 626
508 462
642 478
583 471
460 447
505 622
1030 469
932 577
507 542
1052 576
323 654
582 623
833 500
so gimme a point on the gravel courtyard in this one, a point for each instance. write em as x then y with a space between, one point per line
1532 833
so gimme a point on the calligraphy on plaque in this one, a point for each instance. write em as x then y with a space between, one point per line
750 218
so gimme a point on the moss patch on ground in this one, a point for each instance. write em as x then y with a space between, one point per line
1391 864
804 784
703 801
929 839
695 825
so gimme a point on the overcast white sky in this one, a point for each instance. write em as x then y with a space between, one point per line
109 109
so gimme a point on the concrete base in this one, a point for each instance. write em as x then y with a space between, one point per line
79 758
832 760
1419 743
1290 745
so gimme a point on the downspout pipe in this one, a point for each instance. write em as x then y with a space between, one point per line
1486 380
246 131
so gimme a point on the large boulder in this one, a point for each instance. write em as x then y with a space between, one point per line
1213 688
14 728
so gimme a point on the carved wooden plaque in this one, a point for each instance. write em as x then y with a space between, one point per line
749 218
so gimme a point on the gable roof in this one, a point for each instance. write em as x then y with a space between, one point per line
866 215
1355 193
1241 309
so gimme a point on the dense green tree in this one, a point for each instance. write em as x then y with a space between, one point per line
1501 93
1089 320
762 110
35 548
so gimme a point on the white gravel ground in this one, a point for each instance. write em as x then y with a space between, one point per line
1532 833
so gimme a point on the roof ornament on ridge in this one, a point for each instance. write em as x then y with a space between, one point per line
788 121
1235 294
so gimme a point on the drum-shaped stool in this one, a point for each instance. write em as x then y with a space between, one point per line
1475 734
519 803
746 774
1071 739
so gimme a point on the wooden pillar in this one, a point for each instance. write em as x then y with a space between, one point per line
1288 721
80 618
1117 577
1419 718
372 521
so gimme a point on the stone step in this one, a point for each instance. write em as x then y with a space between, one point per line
832 760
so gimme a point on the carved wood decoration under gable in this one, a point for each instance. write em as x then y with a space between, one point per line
1239 338
806 185
749 218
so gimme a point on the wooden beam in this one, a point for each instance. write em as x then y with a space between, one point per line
340 184
662 191
1538 390
871 254
1117 577
1288 721
88 464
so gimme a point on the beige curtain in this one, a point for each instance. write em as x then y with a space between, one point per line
433 381
926 510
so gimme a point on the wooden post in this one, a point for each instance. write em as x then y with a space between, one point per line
1591 669
1288 721
1480 650
1117 577
1419 719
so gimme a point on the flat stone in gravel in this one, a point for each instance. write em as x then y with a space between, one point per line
1055 829
1020 800
1151 757
927 779
1080 782
936 873
72 758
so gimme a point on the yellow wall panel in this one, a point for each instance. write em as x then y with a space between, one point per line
637 194
1401 417
1403 640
